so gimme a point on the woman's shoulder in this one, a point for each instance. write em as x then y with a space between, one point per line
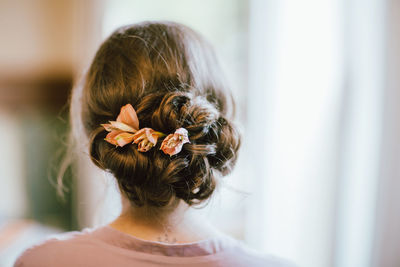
243 255
57 250
104 246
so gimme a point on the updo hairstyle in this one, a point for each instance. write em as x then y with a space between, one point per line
169 74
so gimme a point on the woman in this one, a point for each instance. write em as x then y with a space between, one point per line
159 119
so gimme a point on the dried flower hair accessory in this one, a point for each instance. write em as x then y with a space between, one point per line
173 143
125 130
146 138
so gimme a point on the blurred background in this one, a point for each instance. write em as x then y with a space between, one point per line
318 92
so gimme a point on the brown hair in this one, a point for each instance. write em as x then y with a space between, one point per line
169 74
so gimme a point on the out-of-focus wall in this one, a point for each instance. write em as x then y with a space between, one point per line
44 44
37 38
43 37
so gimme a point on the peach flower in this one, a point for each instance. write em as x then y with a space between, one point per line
123 129
146 138
173 143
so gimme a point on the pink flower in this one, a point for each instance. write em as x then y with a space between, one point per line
125 130
122 130
146 138
111 137
173 143
123 138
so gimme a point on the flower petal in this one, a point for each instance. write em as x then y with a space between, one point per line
108 127
111 137
181 131
122 126
145 146
168 145
173 143
128 116
124 138
151 135
139 136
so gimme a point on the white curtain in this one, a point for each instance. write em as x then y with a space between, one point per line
386 247
315 122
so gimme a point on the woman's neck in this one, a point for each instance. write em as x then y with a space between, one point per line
174 224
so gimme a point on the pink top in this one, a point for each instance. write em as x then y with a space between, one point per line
106 246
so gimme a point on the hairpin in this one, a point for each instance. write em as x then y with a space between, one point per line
125 130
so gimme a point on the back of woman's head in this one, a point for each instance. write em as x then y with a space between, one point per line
169 74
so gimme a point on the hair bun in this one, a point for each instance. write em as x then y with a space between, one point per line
168 92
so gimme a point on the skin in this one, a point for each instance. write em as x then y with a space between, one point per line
175 224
